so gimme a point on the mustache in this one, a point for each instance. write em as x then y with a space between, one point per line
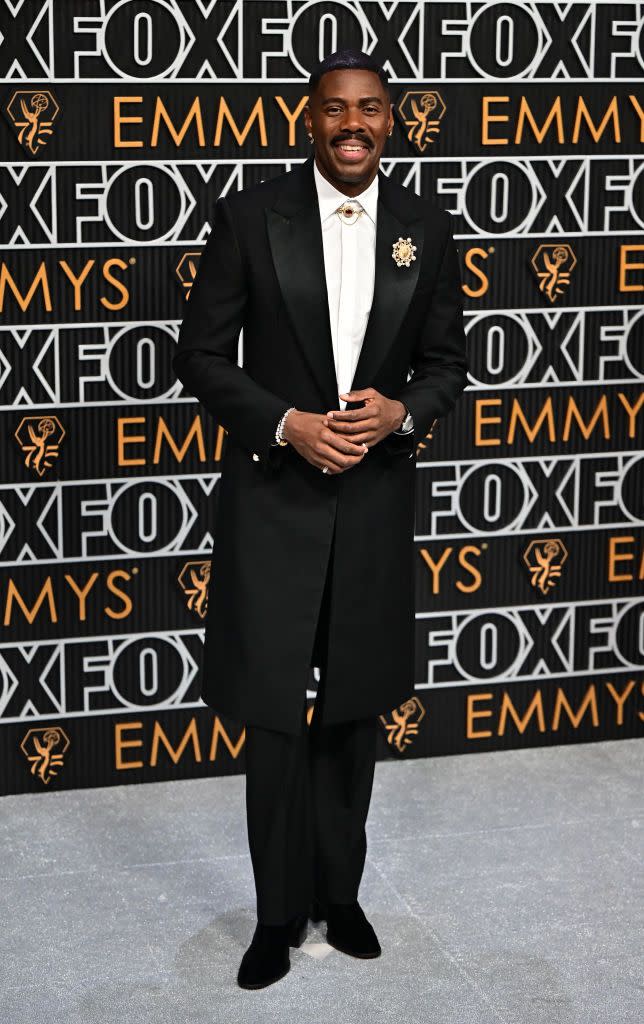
352 138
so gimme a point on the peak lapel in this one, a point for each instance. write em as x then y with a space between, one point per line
295 237
393 285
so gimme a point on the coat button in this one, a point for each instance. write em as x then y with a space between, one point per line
255 457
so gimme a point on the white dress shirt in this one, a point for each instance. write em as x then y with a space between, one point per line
349 263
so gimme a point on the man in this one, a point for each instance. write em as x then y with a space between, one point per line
343 283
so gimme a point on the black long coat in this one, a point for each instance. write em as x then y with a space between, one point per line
262 269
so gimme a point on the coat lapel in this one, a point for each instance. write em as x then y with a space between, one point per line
393 286
295 237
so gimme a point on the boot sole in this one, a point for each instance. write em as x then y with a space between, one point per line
265 984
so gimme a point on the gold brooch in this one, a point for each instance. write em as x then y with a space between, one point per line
403 252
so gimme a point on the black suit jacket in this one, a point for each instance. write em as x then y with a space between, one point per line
262 270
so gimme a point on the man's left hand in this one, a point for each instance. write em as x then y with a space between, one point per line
369 424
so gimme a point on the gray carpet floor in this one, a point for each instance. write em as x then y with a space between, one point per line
505 888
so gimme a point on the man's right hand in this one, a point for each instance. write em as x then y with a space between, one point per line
310 434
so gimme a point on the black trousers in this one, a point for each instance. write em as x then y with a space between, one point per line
307 800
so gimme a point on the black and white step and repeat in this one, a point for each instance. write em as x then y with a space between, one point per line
122 121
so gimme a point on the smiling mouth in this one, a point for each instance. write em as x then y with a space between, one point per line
351 147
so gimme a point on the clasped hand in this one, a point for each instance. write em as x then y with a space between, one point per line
340 438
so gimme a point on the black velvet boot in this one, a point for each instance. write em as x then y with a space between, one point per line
347 928
266 960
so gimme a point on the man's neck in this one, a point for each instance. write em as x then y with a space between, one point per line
347 188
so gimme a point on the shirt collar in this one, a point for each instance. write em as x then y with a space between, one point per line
329 197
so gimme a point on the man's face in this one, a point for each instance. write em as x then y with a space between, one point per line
349 117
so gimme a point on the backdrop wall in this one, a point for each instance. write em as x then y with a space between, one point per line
123 120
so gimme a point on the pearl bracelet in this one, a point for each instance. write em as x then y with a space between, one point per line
280 427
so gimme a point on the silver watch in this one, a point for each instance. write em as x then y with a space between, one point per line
407 424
